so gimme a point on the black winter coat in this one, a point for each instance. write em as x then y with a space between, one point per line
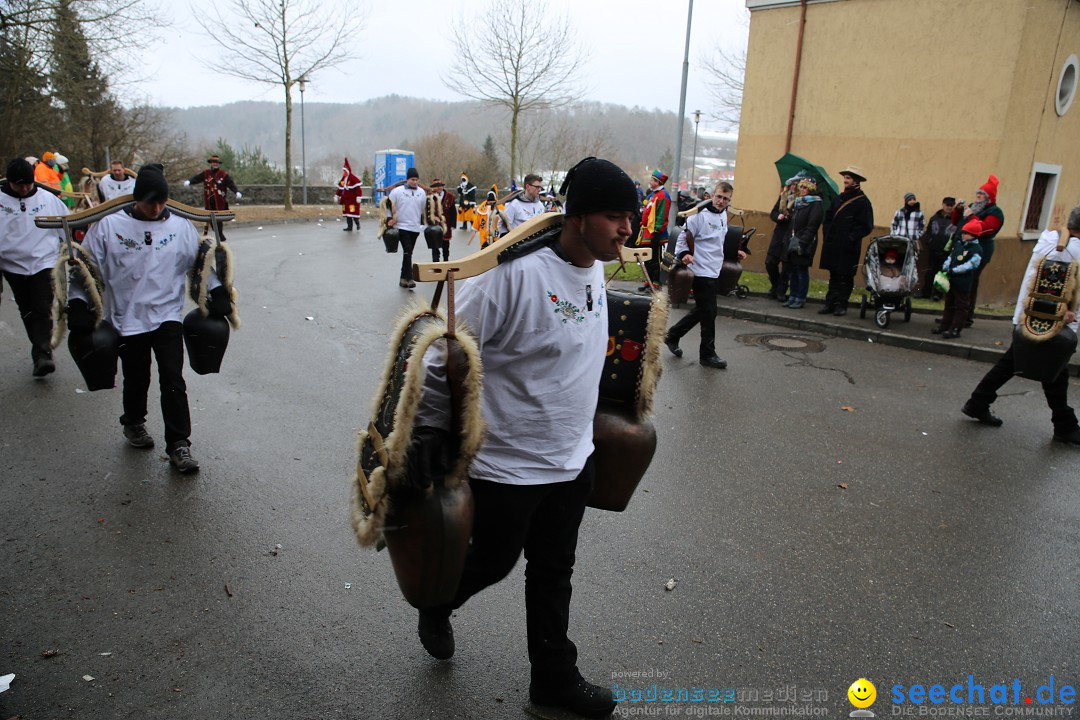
804 225
846 224
781 233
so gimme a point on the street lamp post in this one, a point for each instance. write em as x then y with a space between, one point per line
693 161
303 147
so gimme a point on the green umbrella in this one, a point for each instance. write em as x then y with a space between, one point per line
791 165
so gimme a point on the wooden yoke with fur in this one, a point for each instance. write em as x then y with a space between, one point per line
88 275
433 212
387 211
1053 290
199 278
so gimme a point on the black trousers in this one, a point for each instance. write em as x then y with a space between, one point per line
350 221
542 521
778 274
167 344
34 296
444 246
704 312
1056 392
841 283
408 242
936 260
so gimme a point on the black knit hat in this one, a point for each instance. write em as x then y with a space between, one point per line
412 173
595 185
150 184
19 171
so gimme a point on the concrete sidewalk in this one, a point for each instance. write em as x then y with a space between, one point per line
985 341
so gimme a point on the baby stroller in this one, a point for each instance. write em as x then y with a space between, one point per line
891 268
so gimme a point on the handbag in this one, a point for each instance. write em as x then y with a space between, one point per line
941 281
794 246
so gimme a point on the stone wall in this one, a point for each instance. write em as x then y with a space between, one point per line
266 195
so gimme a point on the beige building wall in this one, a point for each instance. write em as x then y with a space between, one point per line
923 99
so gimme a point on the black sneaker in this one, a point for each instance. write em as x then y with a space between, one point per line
714 362
984 415
436 635
1069 438
137 436
43 366
840 311
827 310
180 458
673 346
579 696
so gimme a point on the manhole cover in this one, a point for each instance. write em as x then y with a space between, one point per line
796 343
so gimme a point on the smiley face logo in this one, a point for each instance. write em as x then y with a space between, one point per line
862 693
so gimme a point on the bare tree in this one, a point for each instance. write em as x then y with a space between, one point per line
281 42
518 56
444 155
725 70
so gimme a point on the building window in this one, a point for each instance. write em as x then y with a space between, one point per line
1066 89
1039 207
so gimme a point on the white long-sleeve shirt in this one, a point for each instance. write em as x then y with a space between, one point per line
709 230
408 207
1046 245
25 248
111 188
519 210
144 264
542 328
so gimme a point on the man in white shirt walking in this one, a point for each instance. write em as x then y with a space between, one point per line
116 183
27 256
541 324
407 204
701 247
527 203
144 255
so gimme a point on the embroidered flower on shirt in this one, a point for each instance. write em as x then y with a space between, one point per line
127 242
567 309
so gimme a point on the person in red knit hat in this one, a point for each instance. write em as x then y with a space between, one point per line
961 265
989 214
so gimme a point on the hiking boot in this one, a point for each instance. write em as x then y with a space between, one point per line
713 362
984 415
180 458
1069 438
43 366
673 346
950 334
137 436
578 696
403 283
840 311
436 635
411 285
827 310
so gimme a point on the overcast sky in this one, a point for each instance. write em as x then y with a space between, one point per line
635 48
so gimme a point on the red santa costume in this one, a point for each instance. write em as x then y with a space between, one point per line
348 193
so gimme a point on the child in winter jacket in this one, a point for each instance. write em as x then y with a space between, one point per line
963 261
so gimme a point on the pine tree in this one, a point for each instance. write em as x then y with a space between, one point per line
87 115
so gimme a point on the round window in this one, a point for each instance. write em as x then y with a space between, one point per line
1066 89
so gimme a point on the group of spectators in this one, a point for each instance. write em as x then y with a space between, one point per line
798 215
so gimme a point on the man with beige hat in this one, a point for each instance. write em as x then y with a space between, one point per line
848 220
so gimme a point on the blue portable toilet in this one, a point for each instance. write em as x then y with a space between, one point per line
390 167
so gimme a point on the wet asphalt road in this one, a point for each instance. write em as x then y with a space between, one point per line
826 516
